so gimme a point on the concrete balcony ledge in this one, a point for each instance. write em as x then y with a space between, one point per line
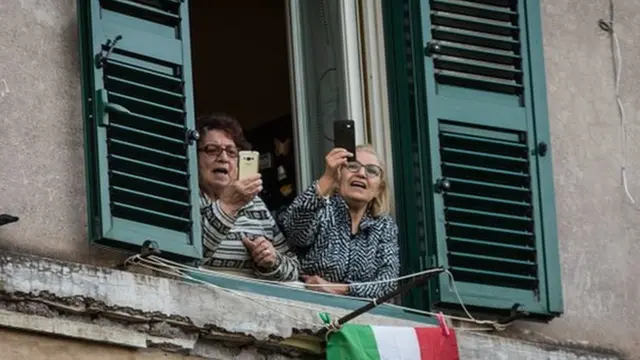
141 311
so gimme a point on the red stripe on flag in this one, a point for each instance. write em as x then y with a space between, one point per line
434 345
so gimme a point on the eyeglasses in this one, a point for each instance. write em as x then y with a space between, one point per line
216 150
370 170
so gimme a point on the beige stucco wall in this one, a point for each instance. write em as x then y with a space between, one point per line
42 177
18 345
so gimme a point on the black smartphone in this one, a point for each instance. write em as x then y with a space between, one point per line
344 136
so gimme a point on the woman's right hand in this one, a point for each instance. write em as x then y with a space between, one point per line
239 193
334 160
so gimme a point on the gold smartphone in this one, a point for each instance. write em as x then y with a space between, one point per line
248 163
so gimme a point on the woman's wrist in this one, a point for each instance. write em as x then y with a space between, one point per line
276 264
341 290
324 185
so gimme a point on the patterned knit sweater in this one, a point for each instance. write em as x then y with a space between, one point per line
321 229
222 239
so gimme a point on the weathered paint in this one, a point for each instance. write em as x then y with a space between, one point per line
87 302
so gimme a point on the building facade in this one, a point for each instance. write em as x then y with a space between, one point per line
64 286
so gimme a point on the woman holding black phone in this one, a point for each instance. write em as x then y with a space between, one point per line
341 228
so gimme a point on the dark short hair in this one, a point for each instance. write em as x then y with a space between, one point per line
225 123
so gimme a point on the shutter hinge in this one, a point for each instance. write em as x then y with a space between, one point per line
104 107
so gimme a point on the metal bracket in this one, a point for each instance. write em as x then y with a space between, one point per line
8 219
514 314
149 247
101 58
442 185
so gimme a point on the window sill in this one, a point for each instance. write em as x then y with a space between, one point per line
306 296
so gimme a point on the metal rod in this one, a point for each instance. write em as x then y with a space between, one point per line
412 283
8 219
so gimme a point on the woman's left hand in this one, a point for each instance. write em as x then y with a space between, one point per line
262 252
317 283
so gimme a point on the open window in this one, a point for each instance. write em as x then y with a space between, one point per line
150 67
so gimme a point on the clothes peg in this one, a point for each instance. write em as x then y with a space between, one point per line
443 324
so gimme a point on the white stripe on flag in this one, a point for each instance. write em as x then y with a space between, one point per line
397 342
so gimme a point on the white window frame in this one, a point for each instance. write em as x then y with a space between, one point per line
376 87
353 81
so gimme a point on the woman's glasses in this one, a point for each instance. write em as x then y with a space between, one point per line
370 170
216 150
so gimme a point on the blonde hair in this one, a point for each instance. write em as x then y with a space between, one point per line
380 204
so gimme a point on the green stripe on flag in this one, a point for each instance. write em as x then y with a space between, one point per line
353 342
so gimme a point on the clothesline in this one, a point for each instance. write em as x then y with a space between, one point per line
169 267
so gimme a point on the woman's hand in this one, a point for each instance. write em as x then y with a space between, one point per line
315 282
239 193
334 160
262 252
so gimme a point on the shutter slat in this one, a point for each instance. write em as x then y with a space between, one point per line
474 9
467 243
515 161
158 121
152 196
473 24
478 53
496 215
146 148
458 184
470 198
492 258
152 204
136 102
477 82
474 38
480 172
146 133
143 163
492 273
125 86
135 178
493 229
477 68
150 217
143 11
162 176
135 73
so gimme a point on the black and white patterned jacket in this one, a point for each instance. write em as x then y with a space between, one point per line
320 228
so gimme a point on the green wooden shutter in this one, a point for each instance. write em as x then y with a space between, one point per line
492 185
139 118
403 63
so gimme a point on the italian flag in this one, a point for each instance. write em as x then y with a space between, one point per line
365 342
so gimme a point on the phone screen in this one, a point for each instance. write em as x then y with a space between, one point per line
344 136
248 163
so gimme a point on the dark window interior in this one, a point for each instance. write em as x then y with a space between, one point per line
241 67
